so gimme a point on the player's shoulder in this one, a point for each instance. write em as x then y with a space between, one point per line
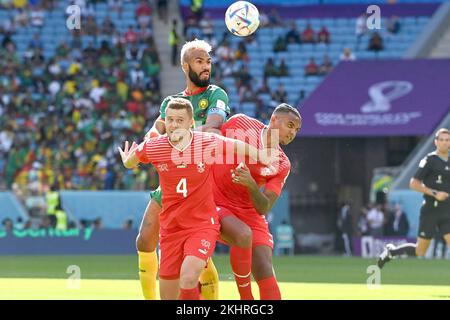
429 158
284 160
173 96
243 119
212 88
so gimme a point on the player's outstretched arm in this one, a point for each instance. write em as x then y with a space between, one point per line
128 155
265 156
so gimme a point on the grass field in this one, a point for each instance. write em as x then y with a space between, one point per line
300 277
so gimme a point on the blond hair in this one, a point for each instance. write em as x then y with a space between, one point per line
191 45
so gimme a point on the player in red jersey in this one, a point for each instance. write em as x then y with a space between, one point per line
189 225
238 194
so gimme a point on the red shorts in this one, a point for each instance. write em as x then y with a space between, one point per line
257 223
175 246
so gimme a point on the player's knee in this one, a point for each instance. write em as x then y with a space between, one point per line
145 244
244 237
189 279
262 269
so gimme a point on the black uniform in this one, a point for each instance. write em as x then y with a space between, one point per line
434 172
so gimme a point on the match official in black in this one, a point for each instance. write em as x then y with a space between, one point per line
433 180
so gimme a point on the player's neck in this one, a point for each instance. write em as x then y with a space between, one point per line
443 155
270 138
192 89
183 142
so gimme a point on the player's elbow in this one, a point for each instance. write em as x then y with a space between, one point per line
413 184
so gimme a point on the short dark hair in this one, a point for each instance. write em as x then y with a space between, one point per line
180 104
286 108
441 131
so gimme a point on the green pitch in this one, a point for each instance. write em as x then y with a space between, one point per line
300 277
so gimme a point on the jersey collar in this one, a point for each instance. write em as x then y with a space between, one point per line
199 90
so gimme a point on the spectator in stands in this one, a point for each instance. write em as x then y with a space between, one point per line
246 94
274 18
375 217
131 36
37 17
128 224
264 88
360 28
90 27
162 7
143 14
345 228
224 51
263 19
8 225
311 69
241 52
116 6
107 27
397 223
280 44
375 42
197 9
347 55
323 35
283 70
207 26
174 40
393 25
279 96
270 70
21 18
363 223
301 98
19 224
243 76
308 35
326 66
97 223
293 36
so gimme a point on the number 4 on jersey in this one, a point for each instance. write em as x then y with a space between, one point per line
182 187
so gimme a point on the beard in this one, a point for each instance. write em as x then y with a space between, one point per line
195 78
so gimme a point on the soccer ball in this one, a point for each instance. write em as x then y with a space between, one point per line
242 18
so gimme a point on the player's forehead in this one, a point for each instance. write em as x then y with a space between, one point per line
176 113
289 117
443 136
198 53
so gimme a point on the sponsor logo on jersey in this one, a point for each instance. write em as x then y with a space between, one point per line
439 180
203 104
182 166
447 168
266 171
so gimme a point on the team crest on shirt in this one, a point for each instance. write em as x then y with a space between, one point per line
201 167
163 167
439 180
203 104
447 168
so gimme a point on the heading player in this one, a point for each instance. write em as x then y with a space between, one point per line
189 221
239 194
